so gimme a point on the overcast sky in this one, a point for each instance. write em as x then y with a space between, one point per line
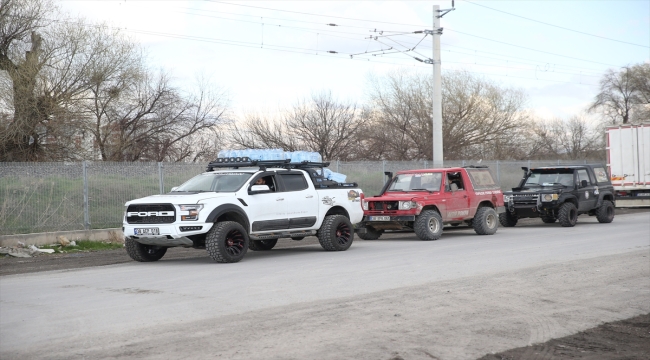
269 54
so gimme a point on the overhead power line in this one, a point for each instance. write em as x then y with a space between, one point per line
557 26
531 49
391 33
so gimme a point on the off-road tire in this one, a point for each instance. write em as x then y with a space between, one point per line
568 214
486 221
549 219
142 252
508 219
370 234
262 245
428 225
336 233
227 242
605 212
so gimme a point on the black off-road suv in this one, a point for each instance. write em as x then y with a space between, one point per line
560 193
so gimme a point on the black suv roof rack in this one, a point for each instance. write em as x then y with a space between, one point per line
475 167
263 164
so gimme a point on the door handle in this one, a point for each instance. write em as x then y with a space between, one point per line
279 199
309 196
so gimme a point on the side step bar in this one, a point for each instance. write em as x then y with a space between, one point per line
282 234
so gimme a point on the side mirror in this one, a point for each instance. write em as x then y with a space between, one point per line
584 183
256 189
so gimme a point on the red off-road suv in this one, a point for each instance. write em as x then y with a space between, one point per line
426 200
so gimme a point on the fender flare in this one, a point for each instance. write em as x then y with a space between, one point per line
569 197
221 209
601 198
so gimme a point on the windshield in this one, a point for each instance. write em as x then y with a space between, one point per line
414 182
550 178
218 182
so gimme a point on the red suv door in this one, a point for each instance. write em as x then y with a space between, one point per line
455 196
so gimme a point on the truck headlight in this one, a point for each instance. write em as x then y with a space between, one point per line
407 205
190 212
506 198
549 197
364 204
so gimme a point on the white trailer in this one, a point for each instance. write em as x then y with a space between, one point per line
628 161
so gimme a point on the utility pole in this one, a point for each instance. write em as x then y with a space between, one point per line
437 91
437 85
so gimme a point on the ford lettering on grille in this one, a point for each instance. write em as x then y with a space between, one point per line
151 213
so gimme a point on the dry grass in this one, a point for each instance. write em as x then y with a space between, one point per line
115 237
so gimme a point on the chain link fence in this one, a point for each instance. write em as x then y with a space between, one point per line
44 197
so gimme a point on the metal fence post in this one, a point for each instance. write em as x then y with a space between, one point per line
498 173
161 180
86 202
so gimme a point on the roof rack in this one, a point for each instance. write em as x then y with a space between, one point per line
263 164
475 166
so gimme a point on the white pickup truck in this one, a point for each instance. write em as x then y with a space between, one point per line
239 204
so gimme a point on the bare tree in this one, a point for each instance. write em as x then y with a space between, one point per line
402 111
624 95
480 119
258 132
145 118
572 139
478 115
641 85
83 91
321 124
20 58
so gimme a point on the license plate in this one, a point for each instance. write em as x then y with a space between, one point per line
643 194
379 218
146 231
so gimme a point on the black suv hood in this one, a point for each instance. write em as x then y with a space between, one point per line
541 189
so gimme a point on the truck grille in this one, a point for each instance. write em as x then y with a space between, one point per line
383 205
150 219
525 199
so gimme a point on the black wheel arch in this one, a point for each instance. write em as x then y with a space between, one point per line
606 195
568 198
431 207
486 203
229 212
337 210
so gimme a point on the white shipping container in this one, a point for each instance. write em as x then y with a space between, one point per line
628 160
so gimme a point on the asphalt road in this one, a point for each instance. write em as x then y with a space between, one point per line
460 297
